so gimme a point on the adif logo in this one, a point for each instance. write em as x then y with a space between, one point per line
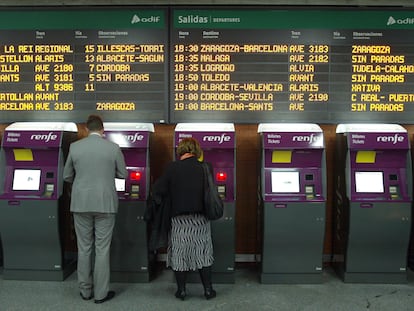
405 21
152 19
217 138
307 138
390 139
134 138
45 137
391 21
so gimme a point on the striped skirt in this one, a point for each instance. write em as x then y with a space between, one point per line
190 246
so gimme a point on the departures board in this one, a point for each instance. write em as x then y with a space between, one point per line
64 64
299 65
169 64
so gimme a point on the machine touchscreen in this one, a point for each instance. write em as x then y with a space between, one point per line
369 182
26 179
120 184
285 182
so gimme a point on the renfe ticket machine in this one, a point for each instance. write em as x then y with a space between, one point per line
130 259
35 225
217 140
293 190
373 203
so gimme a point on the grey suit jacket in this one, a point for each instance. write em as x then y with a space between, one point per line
92 165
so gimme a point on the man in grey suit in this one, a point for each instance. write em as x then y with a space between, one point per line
92 165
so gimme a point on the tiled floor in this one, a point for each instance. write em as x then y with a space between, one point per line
245 294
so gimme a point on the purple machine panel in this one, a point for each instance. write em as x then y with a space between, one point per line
379 162
293 162
32 159
218 143
133 139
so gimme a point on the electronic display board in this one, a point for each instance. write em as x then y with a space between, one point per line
64 64
249 65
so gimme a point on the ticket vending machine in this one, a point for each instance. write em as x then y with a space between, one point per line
217 141
130 259
372 213
293 196
35 224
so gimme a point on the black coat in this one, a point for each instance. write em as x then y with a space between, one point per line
157 216
183 182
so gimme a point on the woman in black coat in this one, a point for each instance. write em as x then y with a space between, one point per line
190 245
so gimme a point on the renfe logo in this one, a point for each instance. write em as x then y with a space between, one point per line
134 138
390 139
217 138
44 137
307 138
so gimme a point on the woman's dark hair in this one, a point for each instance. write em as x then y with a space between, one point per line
189 145
94 123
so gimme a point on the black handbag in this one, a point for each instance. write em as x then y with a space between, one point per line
213 205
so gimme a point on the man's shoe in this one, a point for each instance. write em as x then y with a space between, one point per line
109 296
86 298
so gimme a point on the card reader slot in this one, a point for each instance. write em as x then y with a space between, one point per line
28 196
13 202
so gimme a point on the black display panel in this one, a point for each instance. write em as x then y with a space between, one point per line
64 64
249 65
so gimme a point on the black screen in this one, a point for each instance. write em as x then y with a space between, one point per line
213 64
66 64
270 65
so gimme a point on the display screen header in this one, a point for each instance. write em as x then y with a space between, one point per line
256 18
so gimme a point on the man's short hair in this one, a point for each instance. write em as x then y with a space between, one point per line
94 123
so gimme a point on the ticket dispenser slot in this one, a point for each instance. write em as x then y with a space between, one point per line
221 179
49 185
293 195
135 178
130 259
34 200
373 202
217 140
394 187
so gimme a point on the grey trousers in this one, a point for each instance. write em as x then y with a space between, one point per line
94 233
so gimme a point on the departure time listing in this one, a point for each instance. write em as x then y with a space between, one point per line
377 74
296 81
36 77
46 77
250 77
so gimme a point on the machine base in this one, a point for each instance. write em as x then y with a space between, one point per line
291 278
223 277
130 277
40 275
216 277
379 278
371 277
